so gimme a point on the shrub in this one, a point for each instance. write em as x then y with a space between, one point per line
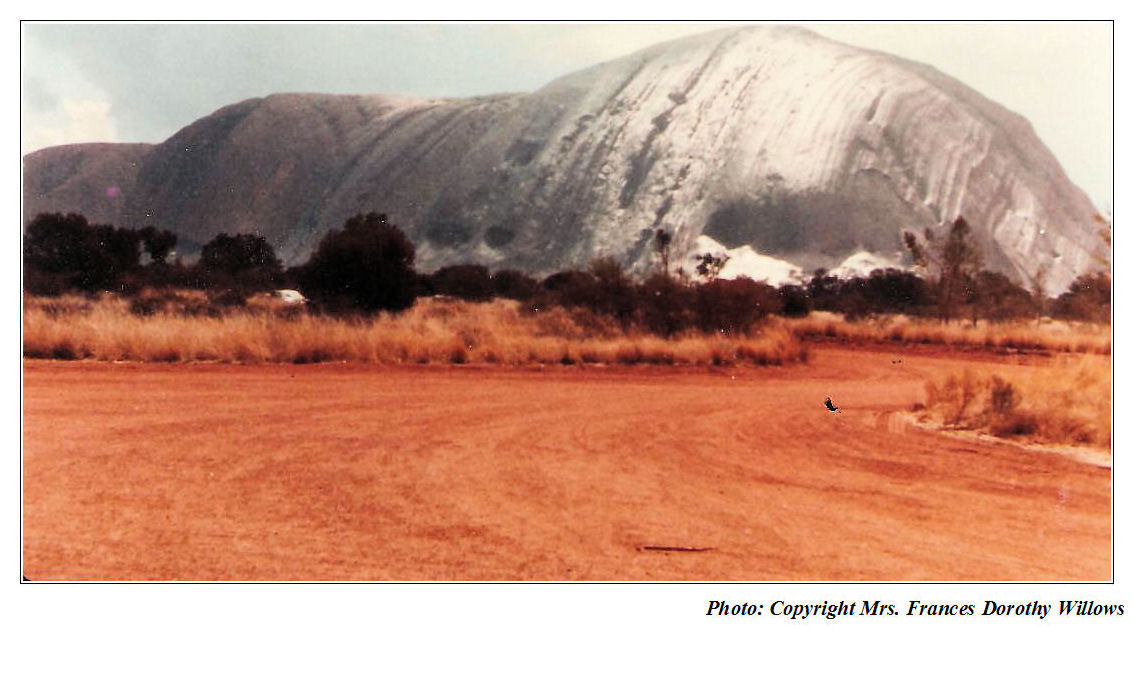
996 298
367 265
227 298
243 261
1002 396
1088 299
614 294
666 306
572 288
733 306
1050 335
795 302
1068 402
158 243
514 285
893 290
63 252
823 291
466 281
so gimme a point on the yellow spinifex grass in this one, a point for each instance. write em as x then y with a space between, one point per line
1056 336
433 331
1068 402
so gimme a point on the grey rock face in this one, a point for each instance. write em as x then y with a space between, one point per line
804 148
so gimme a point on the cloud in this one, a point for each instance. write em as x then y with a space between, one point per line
75 121
60 105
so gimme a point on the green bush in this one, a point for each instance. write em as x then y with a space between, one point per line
367 265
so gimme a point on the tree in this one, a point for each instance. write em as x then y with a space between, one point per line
367 265
1039 291
710 265
234 253
666 305
893 290
823 291
997 298
662 240
55 243
615 294
572 288
158 243
1105 228
795 302
464 281
731 307
237 261
1087 299
512 284
956 259
64 252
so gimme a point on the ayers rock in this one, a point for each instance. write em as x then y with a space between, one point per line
768 136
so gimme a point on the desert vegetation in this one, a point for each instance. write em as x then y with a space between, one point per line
1047 335
113 293
366 266
188 326
1068 402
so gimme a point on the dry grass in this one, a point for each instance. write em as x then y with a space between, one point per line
1056 336
1066 403
187 328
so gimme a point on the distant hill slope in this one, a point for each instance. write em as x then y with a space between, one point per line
774 137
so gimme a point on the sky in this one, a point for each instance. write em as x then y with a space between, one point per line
143 82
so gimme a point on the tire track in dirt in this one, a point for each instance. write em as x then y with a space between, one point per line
338 471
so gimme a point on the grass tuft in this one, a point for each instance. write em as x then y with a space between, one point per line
1067 403
1053 336
186 327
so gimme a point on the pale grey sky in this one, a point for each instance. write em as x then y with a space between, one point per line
141 83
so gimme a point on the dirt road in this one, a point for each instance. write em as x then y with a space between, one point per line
332 472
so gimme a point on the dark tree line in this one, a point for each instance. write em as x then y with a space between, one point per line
65 253
368 266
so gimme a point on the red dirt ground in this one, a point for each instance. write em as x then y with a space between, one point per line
348 472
